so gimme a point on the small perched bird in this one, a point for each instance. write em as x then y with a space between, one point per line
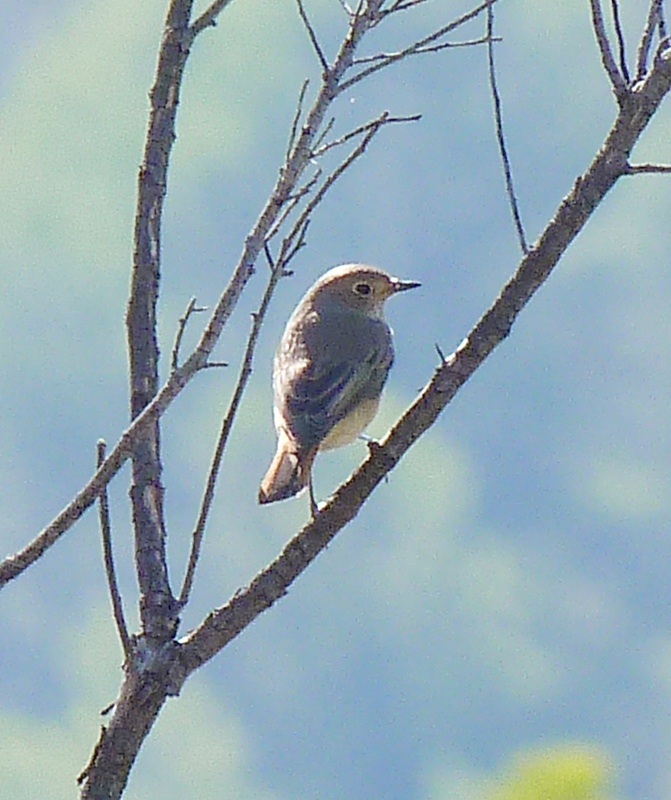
328 373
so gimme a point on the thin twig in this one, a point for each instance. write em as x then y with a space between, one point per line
645 44
293 201
108 557
322 136
620 40
191 308
371 129
661 26
417 47
607 59
647 169
503 150
403 5
312 36
208 19
296 119
224 434
359 130
391 57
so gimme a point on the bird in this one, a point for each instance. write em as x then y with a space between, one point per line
329 370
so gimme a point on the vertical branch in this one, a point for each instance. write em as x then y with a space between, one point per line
654 19
157 606
620 40
498 119
108 557
607 58
226 427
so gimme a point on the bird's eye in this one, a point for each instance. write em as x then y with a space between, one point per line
364 289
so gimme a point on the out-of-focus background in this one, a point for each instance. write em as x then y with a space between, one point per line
497 618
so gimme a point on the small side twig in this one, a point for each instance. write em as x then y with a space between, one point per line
654 16
191 309
371 128
607 58
647 169
312 35
293 201
404 5
500 137
208 19
108 556
388 58
225 432
420 46
319 151
297 116
661 26
620 40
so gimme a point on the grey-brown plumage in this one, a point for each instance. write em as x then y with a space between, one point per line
329 370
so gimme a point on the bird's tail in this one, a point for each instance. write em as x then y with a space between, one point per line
288 473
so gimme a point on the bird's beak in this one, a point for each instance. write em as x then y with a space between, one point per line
402 286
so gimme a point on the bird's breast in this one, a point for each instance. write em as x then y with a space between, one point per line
347 430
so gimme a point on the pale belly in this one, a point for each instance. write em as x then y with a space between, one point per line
351 426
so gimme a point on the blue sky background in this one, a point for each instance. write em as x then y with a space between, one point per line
507 591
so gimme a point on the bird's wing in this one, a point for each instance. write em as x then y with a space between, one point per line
319 398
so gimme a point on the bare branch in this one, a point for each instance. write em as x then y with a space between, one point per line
647 169
157 608
293 202
417 47
227 425
607 59
661 27
296 119
322 136
383 119
312 36
503 150
654 15
391 57
108 557
208 18
403 5
624 70
370 129
191 309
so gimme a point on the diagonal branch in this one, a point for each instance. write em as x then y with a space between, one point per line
226 428
415 48
617 24
312 36
503 150
607 58
110 571
648 169
651 23
208 19
225 623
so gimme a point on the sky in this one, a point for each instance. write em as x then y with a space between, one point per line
499 607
